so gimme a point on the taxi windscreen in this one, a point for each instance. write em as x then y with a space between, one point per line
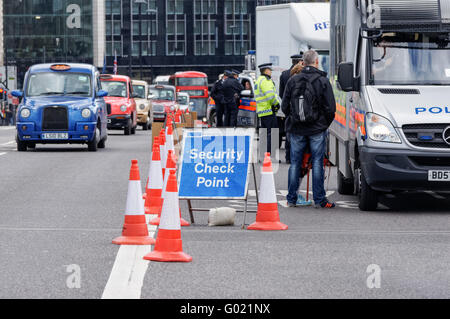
115 88
162 94
140 91
58 83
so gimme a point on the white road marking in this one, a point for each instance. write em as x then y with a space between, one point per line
2 154
437 196
5 128
8 143
127 275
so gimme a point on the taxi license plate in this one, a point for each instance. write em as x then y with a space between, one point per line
55 136
439 176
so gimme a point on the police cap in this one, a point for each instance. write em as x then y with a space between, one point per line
235 72
228 73
265 66
297 56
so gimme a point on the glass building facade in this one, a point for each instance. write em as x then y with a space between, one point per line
46 31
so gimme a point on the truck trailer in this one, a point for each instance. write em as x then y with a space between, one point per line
286 29
390 69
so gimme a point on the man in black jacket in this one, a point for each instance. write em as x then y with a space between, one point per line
217 95
312 134
284 78
232 89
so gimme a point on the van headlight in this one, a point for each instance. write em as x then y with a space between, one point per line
123 108
86 113
380 129
25 113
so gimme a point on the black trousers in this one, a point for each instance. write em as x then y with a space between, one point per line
269 122
220 111
231 113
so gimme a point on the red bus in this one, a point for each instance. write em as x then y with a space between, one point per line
196 85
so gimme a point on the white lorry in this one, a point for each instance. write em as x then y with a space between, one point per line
390 68
287 29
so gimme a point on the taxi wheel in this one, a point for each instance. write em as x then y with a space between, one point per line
133 130
127 130
21 146
93 145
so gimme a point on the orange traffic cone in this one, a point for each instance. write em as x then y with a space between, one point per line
135 231
267 217
178 117
155 142
154 200
170 165
162 150
169 246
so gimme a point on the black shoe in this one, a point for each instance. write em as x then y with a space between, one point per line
288 161
326 204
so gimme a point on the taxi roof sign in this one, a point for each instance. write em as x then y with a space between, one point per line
60 67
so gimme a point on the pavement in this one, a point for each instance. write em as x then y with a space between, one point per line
61 206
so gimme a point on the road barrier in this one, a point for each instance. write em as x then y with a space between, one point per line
135 230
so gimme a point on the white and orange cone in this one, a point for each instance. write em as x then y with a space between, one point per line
153 199
155 142
162 150
170 165
267 217
169 246
135 230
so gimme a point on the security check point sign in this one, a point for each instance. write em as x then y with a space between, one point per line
215 163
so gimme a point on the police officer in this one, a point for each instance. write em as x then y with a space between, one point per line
232 89
284 78
267 101
217 95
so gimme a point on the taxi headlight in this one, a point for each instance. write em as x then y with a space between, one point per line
380 129
142 107
123 108
25 113
86 113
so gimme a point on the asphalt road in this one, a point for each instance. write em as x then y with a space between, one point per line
60 207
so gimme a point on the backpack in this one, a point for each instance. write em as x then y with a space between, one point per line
305 107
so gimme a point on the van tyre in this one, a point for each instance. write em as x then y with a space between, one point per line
345 185
368 198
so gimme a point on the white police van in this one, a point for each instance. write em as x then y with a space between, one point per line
390 67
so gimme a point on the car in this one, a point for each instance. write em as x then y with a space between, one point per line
122 102
183 100
61 104
163 101
144 104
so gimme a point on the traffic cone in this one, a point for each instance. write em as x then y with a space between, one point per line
178 117
153 199
169 246
171 165
135 231
267 217
170 146
155 142
162 150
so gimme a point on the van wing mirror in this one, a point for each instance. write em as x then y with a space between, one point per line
346 80
108 109
102 93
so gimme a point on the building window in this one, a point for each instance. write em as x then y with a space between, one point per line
175 48
175 27
175 6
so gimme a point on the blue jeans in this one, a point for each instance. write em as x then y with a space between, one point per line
317 145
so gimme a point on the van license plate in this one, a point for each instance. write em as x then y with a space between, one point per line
55 136
439 176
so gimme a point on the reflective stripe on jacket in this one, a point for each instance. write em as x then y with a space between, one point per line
265 96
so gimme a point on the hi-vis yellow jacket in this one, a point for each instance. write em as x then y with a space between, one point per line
265 95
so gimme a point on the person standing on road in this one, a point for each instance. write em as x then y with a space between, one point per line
217 95
267 101
310 107
232 89
297 59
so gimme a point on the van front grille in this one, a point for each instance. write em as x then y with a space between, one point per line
426 135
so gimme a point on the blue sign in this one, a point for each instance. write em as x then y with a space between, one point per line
215 164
